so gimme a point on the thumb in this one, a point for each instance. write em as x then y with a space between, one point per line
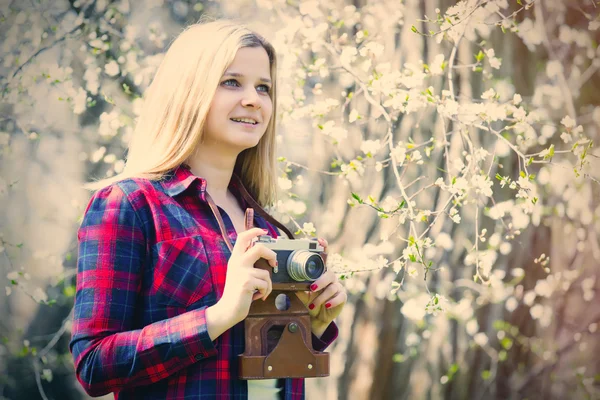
245 239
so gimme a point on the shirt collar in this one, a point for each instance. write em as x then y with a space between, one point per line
181 178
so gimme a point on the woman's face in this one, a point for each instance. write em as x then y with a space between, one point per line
241 97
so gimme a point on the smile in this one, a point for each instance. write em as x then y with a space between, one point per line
245 121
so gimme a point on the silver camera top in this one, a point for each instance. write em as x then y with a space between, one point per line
282 243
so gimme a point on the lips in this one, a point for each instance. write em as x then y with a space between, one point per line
245 122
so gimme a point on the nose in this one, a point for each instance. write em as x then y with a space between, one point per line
251 99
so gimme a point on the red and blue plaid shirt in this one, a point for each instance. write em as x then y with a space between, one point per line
151 260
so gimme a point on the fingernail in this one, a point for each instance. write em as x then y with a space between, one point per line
313 287
327 305
311 306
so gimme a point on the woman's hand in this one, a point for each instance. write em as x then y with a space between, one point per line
326 299
244 283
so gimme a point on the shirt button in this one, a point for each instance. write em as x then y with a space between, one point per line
198 357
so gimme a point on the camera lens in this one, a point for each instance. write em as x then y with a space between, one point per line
305 265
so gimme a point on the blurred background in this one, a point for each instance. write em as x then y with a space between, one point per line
496 296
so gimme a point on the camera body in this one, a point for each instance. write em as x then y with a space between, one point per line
299 262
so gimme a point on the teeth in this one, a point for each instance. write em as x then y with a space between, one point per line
249 121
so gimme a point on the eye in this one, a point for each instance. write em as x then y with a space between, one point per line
267 89
230 81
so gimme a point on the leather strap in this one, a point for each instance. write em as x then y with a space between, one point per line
248 216
217 215
257 207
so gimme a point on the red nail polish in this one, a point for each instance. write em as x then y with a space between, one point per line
313 287
327 305
311 306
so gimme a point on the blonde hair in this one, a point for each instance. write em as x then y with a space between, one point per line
177 102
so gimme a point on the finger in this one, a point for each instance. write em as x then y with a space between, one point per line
244 240
265 276
323 243
328 293
337 300
260 251
324 280
259 287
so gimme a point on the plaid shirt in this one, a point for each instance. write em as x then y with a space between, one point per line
151 260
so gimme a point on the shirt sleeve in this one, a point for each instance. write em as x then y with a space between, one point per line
109 354
330 334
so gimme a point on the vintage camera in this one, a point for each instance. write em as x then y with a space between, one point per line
278 330
299 262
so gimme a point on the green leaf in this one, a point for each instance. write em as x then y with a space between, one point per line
414 29
480 56
485 374
69 291
357 198
522 174
506 343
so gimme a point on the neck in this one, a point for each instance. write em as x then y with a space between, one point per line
216 169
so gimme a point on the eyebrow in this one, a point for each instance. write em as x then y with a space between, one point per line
241 76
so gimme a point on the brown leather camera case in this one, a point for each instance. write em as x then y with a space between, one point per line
279 342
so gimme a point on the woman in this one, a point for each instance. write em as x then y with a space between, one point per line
160 298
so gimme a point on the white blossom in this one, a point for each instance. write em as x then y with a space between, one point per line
284 183
517 99
370 146
39 295
414 307
568 122
399 153
480 339
436 66
488 94
308 228
112 68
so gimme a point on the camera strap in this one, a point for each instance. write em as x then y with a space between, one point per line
249 215
257 207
